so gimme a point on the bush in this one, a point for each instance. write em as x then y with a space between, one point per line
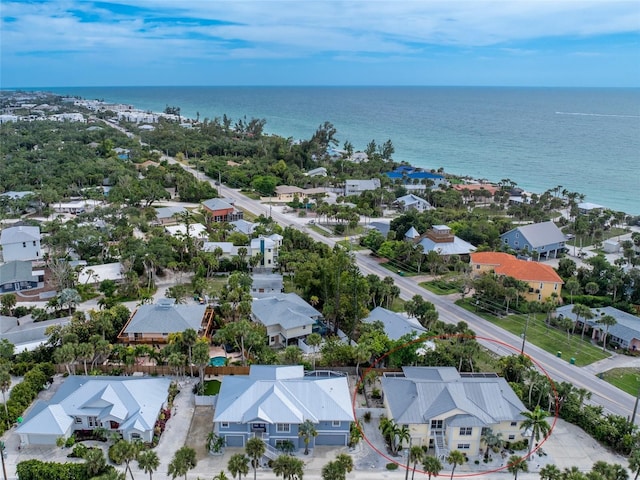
79 451
367 416
70 441
392 466
38 470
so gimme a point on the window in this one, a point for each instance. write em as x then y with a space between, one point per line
336 423
78 420
464 446
512 437
24 244
135 436
555 286
477 267
283 428
93 422
516 243
541 285
539 297
224 425
466 430
517 234
437 424
506 241
34 243
513 424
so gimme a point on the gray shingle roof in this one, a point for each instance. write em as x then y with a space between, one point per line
541 234
166 317
285 309
627 328
168 212
19 234
395 325
292 399
16 271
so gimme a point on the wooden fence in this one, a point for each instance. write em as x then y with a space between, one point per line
159 370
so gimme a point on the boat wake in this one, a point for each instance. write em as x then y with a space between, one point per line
597 114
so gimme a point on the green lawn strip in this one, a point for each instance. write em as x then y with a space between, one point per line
211 387
626 379
549 339
442 286
587 241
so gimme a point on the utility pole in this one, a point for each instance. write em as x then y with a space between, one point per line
524 334
632 420
4 467
406 473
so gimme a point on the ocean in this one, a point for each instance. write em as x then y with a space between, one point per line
587 140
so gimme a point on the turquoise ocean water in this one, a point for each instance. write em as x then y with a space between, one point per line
587 140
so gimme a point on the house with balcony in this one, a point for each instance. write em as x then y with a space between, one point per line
222 210
272 401
267 249
446 410
18 275
21 243
356 187
544 238
440 239
286 316
543 280
152 324
413 202
415 179
129 406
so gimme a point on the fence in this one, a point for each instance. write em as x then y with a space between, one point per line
159 370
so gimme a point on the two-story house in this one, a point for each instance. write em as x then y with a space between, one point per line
543 280
544 238
286 316
222 210
447 410
272 401
20 243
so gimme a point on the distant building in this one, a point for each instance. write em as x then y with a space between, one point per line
441 240
17 275
413 202
356 187
266 284
168 215
222 210
415 179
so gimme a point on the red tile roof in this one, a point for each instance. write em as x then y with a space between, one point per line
505 264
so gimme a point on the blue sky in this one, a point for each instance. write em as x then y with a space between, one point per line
50 43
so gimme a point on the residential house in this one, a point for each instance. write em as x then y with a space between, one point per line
585 208
447 410
129 406
544 238
476 192
624 334
195 230
286 316
396 325
18 275
14 195
267 248
228 250
317 172
440 239
168 215
415 179
25 334
222 210
75 207
543 280
20 243
272 401
153 323
243 226
356 187
286 193
413 202
266 284
411 234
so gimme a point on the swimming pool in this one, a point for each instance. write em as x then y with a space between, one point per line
218 361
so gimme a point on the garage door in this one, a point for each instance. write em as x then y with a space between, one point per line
234 440
331 439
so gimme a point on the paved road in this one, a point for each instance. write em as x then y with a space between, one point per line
611 398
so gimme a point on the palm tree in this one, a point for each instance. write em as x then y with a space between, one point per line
124 452
634 463
400 435
584 312
221 476
307 430
537 423
189 337
455 458
550 472
148 461
607 321
431 466
94 461
255 449
288 467
517 464
238 465
491 440
183 460
5 385
314 340
416 454
345 461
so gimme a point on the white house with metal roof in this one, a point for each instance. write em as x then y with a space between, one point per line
286 316
21 243
126 405
441 240
272 401
446 410
413 202
396 325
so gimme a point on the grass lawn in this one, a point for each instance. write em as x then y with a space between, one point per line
444 286
549 339
211 387
395 269
319 230
350 245
586 239
627 379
